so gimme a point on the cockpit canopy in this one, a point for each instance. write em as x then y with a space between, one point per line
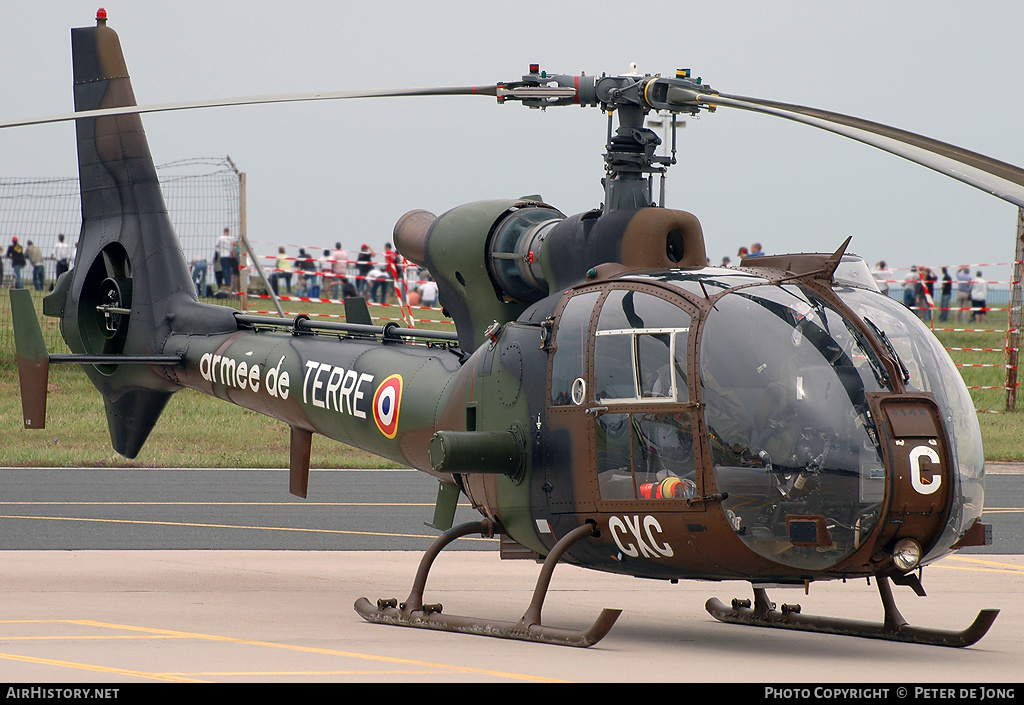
780 376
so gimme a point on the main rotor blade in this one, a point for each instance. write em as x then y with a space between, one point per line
258 100
998 178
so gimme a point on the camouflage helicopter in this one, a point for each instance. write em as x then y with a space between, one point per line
607 399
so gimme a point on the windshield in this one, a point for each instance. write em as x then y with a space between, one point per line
929 369
783 381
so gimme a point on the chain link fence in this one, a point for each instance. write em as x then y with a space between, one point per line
202 197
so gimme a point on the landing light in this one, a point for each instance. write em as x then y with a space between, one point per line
906 554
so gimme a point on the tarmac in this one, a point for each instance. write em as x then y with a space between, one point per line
998 468
131 617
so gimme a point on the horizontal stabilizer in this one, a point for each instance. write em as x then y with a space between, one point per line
115 359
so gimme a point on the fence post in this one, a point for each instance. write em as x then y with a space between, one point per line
243 238
1014 320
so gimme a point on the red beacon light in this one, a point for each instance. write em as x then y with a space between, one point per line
101 16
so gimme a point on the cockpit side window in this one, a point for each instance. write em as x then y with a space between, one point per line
614 376
645 456
640 349
644 440
654 365
568 367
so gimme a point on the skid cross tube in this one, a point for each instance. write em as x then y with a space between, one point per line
893 628
413 613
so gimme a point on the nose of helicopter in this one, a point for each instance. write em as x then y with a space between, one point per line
828 464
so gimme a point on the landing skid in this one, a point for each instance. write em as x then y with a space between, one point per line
413 613
894 627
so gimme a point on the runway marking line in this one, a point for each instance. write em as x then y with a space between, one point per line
152 632
149 522
293 674
93 667
996 566
225 504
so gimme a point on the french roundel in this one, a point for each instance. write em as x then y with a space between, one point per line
387 401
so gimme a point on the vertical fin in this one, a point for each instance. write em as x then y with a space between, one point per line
300 449
128 254
444 508
132 416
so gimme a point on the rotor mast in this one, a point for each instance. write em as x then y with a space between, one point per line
630 159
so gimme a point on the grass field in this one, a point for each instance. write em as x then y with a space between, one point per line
200 431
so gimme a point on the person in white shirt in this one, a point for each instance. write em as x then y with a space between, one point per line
62 256
881 275
378 279
979 293
226 257
429 292
963 293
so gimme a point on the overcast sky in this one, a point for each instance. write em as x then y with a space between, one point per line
323 172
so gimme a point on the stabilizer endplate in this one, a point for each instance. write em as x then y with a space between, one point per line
33 359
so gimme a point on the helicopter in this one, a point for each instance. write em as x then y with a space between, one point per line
607 399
